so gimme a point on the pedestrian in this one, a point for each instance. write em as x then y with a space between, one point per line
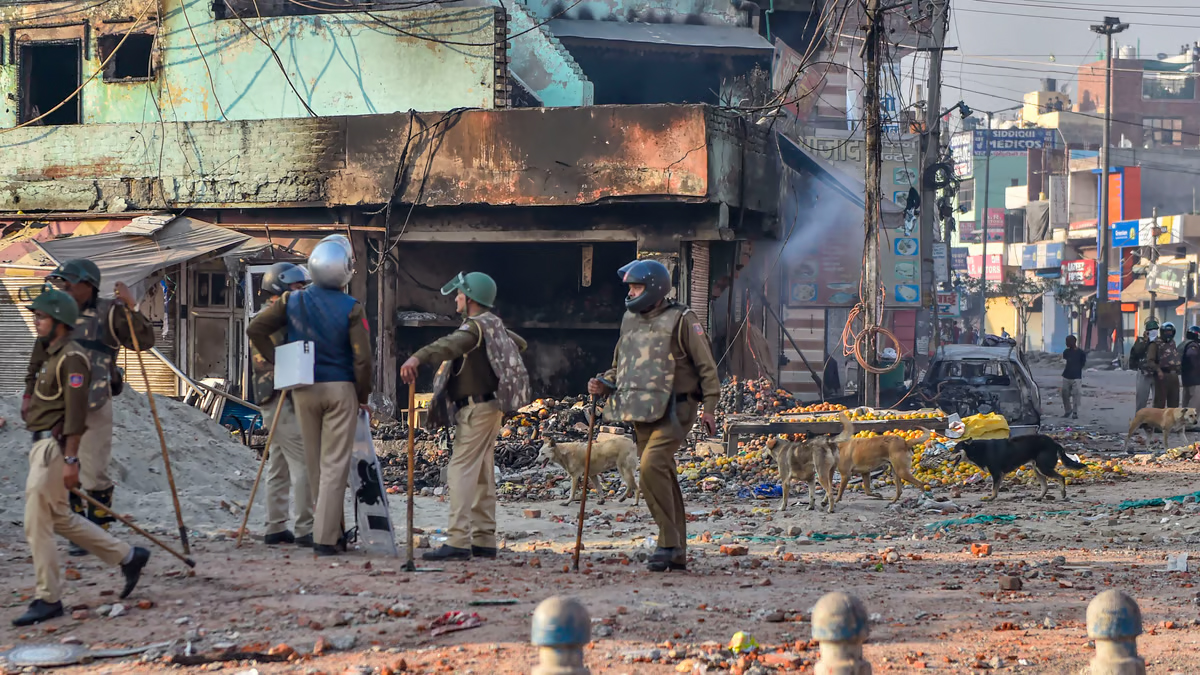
1004 333
1162 359
286 468
1190 368
101 329
57 416
336 324
480 377
1072 384
663 368
1137 363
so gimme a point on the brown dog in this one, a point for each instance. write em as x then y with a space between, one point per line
1165 420
864 455
805 460
618 453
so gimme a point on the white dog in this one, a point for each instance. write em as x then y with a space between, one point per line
618 453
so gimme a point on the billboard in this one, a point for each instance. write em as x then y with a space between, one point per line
1079 272
995 266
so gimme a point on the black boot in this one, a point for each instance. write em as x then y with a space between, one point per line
664 559
39 611
285 537
447 553
483 551
304 540
133 569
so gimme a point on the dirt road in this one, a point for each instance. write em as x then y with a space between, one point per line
936 605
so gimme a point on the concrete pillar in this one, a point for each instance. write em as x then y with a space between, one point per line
840 624
1114 621
561 627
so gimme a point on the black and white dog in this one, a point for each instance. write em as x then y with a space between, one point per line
1005 455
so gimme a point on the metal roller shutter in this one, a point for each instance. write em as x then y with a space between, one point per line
16 334
698 292
162 380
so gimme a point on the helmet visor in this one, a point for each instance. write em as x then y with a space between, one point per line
457 283
30 293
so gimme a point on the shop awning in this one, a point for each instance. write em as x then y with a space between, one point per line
1136 291
732 39
852 188
132 258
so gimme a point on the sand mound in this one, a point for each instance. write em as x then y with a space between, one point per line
209 466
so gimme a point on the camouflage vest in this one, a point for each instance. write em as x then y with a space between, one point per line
645 367
94 331
505 358
1168 356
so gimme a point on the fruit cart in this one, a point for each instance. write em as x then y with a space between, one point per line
829 422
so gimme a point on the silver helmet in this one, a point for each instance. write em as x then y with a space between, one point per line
331 263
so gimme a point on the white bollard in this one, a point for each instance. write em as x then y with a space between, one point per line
1114 621
561 627
840 624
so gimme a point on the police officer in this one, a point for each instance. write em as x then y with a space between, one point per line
480 377
1137 362
286 471
102 330
1162 362
57 415
328 409
1190 368
663 368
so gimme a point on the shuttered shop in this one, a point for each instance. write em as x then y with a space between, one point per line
16 333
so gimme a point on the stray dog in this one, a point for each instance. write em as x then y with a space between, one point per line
1164 419
1004 455
864 455
612 453
811 460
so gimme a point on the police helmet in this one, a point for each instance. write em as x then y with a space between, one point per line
58 305
280 277
651 274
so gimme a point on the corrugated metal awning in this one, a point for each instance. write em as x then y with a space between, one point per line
16 334
719 38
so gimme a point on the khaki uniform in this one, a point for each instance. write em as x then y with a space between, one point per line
1163 357
470 385
328 413
286 468
668 367
101 330
59 400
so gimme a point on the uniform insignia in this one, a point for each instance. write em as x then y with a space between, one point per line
366 326
697 329
76 381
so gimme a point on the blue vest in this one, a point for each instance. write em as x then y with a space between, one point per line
322 316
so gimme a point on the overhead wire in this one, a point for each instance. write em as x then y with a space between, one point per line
493 43
1069 7
1066 18
274 54
203 59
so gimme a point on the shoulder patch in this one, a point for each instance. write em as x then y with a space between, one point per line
75 380
366 326
697 329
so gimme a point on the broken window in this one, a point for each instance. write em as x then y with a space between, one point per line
132 61
50 76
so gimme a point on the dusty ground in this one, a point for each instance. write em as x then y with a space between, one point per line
937 605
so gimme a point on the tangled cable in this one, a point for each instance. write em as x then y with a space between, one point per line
866 336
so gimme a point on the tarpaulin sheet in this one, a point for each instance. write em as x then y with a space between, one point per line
133 258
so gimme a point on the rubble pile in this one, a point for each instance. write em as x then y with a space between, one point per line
212 471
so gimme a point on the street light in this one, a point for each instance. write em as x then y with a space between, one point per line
1111 26
987 189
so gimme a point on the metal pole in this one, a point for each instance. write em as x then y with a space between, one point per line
983 265
931 150
1110 27
871 210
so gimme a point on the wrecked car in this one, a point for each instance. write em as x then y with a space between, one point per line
971 379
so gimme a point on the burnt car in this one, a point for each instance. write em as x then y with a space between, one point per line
971 379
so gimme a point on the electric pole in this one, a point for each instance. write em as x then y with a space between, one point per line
871 202
931 153
987 190
1111 26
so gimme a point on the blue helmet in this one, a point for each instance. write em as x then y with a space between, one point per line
651 274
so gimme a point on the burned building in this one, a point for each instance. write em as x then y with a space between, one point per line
170 123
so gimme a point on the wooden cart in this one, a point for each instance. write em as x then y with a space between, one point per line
812 424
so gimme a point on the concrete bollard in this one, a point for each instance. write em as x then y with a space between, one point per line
1114 621
561 627
840 624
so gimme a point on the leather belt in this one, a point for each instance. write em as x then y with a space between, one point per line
474 400
42 436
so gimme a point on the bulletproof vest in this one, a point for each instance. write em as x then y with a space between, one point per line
1137 353
322 316
504 356
264 371
94 331
645 367
1168 355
